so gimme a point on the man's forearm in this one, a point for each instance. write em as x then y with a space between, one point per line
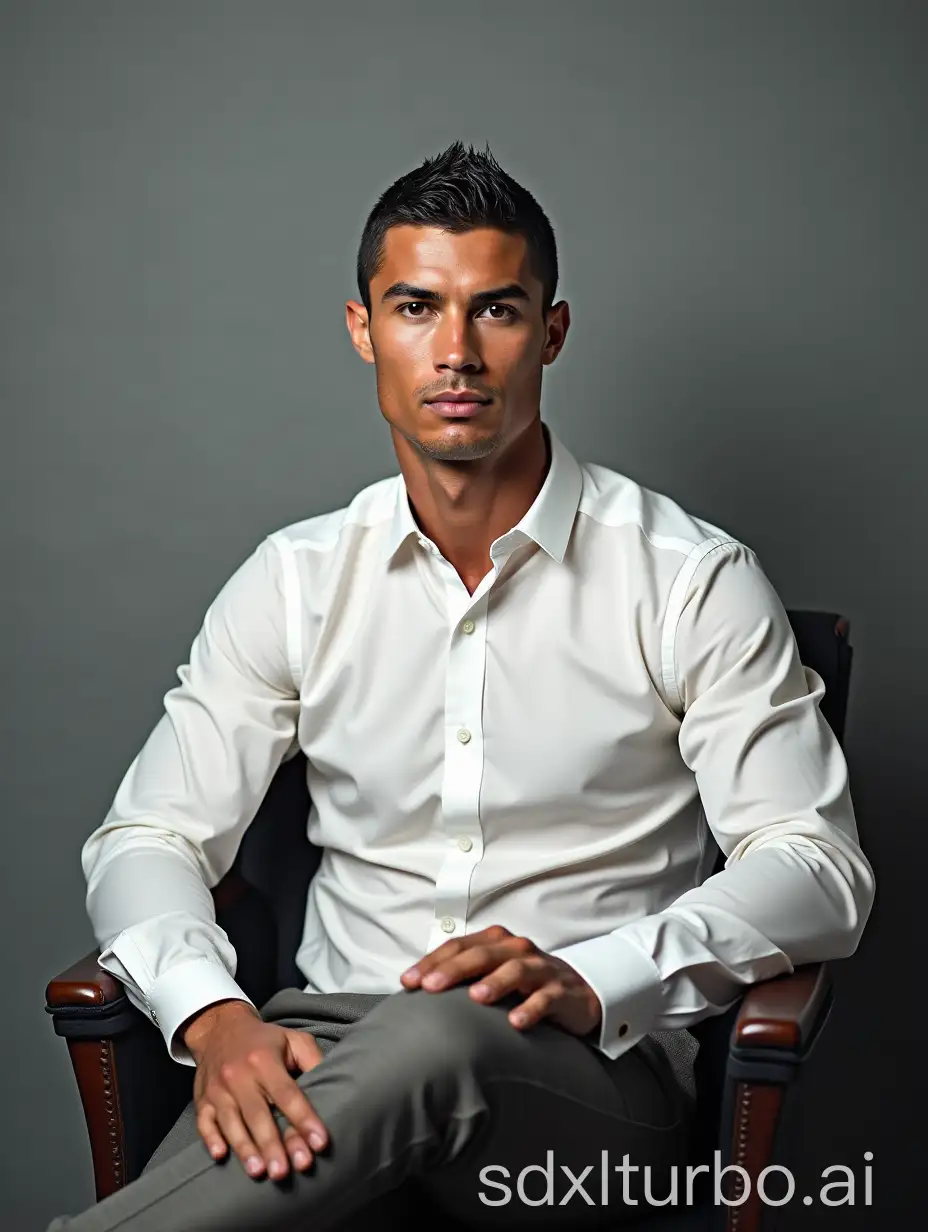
155 922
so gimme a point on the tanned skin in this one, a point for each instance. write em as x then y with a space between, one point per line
469 480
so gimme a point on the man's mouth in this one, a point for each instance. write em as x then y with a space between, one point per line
457 410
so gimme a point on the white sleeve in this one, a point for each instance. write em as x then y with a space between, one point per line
180 812
796 887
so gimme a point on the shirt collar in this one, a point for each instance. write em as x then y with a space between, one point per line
548 522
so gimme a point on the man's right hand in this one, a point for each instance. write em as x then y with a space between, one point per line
243 1066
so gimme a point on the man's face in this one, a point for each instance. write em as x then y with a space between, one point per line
457 312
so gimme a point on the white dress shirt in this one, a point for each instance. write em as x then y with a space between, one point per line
553 753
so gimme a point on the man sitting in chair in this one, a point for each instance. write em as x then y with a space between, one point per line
533 695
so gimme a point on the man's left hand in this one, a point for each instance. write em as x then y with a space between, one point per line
510 964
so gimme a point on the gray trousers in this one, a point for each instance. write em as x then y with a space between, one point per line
420 1092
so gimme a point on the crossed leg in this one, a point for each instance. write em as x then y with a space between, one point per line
436 1093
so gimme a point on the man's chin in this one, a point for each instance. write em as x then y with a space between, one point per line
457 448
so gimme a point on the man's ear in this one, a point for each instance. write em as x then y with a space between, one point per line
358 322
557 325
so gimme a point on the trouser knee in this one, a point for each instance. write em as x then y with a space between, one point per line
429 1032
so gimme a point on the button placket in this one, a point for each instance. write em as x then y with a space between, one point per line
463 765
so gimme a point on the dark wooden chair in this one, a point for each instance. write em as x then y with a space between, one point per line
132 1092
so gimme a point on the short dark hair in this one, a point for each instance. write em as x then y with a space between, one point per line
458 191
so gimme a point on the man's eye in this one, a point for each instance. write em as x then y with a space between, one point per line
508 311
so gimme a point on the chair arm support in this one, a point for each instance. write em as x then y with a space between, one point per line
87 1003
786 1013
778 1023
130 1088
84 983
776 1027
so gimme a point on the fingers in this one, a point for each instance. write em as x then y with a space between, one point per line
221 1120
208 1129
556 992
303 1052
480 960
296 1148
255 1133
523 974
449 949
503 963
238 1111
467 958
286 1095
541 1004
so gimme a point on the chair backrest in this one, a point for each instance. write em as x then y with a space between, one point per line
276 857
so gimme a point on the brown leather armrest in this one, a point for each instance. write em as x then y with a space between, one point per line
782 1013
84 983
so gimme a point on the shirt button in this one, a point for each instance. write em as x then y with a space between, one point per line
465 843
447 924
464 735
468 626
623 1029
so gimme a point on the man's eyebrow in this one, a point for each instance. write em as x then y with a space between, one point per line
405 290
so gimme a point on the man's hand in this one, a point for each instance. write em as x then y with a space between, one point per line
243 1066
511 964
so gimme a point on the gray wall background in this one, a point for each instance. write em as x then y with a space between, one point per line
740 196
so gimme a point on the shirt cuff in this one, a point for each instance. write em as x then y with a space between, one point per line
176 995
626 981
184 990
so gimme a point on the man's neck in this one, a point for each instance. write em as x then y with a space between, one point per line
463 508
